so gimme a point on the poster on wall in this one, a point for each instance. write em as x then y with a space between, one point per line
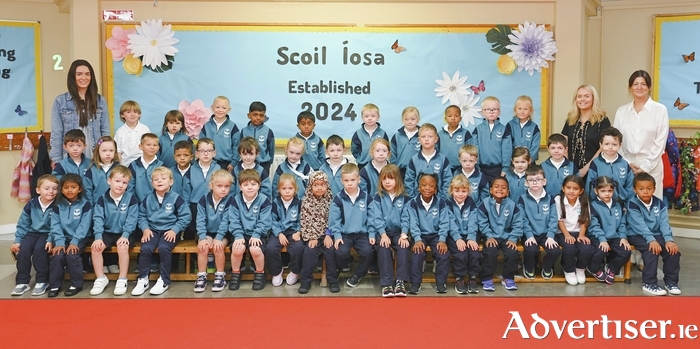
329 71
20 77
676 71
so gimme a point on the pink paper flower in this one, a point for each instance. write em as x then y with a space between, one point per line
118 43
196 115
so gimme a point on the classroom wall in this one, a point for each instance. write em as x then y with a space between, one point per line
627 45
72 27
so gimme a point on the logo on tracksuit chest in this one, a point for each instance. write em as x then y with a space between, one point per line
465 214
123 207
312 145
436 167
459 139
616 213
565 171
545 208
398 203
220 208
361 205
506 213
261 139
499 135
656 210
168 208
434 212
623 172
76 213
227 132
528 136
256 208
293 214
416 146
475 186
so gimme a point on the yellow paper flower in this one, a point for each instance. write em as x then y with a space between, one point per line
132 65
506 65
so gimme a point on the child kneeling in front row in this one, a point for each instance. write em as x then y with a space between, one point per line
429 222
250 220
501 223
31 244
163 215
650 233
212 230
115 216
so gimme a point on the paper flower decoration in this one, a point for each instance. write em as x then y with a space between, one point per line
154 42
470 110
132 65
452 89
118 43
196 115
530 47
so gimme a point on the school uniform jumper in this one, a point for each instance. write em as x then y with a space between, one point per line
495 148
181 182
555 175
503 224
95 181
541 222
250 221
67 165
449 144
112 221
266 141
403 148
608 224
438 165
265 181
33 229
284 221
516 184
225 138
647 223
199 183
528 135
464 226
369 179
140 183
166 152
347 220
301 174
385 217
314 150
619 170
479 185
170 214
70 225
431 226
361 142
335 180
212 217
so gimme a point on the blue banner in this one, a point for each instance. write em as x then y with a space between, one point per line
20 77
329 71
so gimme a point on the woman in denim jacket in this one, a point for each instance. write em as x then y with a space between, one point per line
79 108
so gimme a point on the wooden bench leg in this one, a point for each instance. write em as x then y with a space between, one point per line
628 271
187 263
324 281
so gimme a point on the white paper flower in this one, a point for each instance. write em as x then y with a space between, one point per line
532 47
469 109
152 43
452 89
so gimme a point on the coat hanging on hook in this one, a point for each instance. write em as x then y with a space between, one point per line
22 177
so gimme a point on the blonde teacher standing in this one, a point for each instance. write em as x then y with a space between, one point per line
644 126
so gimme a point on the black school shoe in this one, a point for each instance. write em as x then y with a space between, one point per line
415 288
334 287
72 291
259 281
442 288
54 292
305 287
235 282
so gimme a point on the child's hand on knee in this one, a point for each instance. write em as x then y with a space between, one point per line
624 243
147 235
313 243
256 241
296 236
72 249
283 239
338 242
238 243
327 242
57 250
461 245
551 243
372 241
385 241
491 242
202 245
604 246
473 245
123 242
512 245
583 239
217 245
403 240
98 246
170 236
654 247
47 247
418 247
441 247
671 247
530 241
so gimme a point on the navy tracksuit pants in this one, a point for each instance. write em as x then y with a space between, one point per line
31 250
165 251
617 256
467 262
510 260
385 260
574 256
273 254
310 260
71 263
531 252
442 267
358 241
672 266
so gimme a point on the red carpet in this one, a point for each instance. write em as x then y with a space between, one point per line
453 322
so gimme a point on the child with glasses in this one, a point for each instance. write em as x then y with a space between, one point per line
493 140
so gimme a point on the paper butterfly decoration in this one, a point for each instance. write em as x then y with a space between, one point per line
19 111
480 88
689 58
397 48
680 105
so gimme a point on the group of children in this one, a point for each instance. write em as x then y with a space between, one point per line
450 190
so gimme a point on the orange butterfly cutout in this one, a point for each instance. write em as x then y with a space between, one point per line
680 105
397 48
689 58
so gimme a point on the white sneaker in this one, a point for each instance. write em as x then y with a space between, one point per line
120 287
159 287
20 289
277 279
581 276
292 278
571 278
141 287
99 286
113 269
653 289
